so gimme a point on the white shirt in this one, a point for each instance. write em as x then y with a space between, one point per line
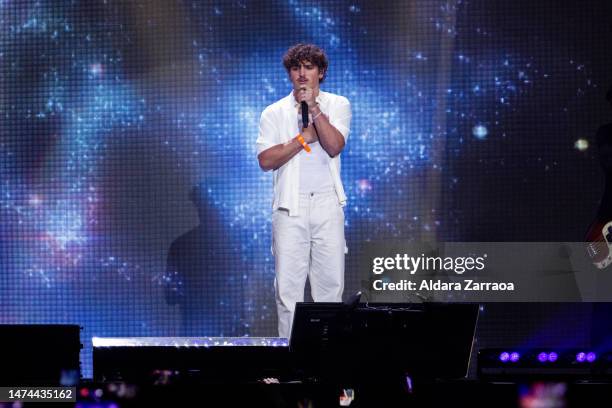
315 176
278 125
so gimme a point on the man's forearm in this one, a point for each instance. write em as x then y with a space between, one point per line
330 138
276 156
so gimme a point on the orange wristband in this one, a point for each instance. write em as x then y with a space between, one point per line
300 139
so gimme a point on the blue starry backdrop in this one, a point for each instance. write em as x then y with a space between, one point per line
131 201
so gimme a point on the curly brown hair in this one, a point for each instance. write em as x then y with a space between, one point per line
306 52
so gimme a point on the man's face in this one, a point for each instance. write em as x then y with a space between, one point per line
306 75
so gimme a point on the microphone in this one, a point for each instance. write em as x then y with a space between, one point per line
304 115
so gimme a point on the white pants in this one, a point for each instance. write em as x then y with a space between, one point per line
309 245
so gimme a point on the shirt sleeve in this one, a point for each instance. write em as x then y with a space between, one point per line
340 117
268 132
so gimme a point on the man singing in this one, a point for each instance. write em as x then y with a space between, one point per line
308 215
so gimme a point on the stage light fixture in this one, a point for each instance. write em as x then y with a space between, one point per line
591 357
504 357
515 357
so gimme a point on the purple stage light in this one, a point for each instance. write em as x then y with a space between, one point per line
504 357
581 357
590 357
514 357
542 357
552 357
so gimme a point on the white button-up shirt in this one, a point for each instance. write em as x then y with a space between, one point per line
277 125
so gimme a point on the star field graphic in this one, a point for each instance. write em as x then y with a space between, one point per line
127 144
